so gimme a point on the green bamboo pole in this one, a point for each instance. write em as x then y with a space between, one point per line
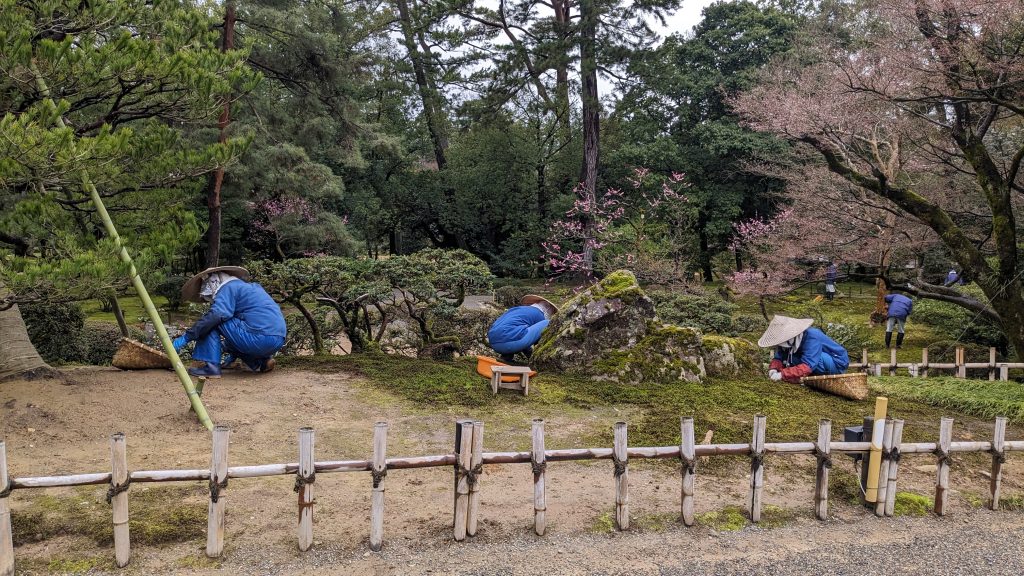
140 288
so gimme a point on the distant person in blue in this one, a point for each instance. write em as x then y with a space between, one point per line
520 327
899 309
243 320
831 273
801 350
953 278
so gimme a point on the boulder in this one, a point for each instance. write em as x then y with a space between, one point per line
611 331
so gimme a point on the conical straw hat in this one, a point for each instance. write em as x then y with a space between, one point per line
783 328
190 291
531 299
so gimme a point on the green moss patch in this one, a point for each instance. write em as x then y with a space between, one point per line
912 504
728 519
157 515
976 397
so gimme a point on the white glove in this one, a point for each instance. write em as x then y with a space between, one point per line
774 375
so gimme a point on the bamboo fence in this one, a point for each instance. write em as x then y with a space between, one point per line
958 368
469 459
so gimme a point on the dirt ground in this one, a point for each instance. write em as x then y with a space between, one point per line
52 428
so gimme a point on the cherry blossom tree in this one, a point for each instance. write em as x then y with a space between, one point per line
922 114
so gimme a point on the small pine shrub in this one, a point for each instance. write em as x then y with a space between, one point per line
509 296
56 331
709 314
851 337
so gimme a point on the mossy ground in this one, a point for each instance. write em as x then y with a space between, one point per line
157 515
912 504
732 518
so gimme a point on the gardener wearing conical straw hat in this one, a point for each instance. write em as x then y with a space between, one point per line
243 320
520 327
801 350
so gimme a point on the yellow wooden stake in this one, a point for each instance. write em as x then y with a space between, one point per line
875 458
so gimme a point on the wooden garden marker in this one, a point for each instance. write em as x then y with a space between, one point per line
476 463
864 359
923 372
757 467
894 465
961 361
304 486
118 498
1004 372
942 479
379 471
621 477
991 364
6 536
824 454
462 480
688 455
539 463
218 485
892 362
998 457
875 456
883 469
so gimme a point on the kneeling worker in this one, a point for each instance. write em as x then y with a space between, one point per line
801 350
520 327
242 314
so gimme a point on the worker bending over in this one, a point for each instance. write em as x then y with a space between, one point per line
801 350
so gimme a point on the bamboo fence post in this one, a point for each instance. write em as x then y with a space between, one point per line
117 496
867 426
864 359
894 465
942 477
923 372
892 362
539 463
688 456
991 364
875 456
961 360
218 485
457 449
1004 372
757 467
304 480
823 451
6 536
998 458
462 480
883 469
476 465
620 457
379 471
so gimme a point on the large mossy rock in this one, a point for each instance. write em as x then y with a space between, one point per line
611 331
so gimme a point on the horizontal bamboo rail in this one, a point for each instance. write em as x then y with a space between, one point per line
995 370
470 460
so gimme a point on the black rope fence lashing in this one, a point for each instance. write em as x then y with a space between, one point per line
823 457
893 455
307 480
689 464
756 462
538 467
998 456
7 491
116 489
378 476
472 475
943 457
620 465
216 487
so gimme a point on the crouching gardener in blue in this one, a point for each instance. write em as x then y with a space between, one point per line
520 327
801 350
243 320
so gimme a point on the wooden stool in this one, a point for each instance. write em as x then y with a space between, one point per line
522 372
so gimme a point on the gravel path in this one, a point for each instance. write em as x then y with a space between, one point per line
981 542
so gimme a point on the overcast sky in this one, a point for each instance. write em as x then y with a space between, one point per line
686 17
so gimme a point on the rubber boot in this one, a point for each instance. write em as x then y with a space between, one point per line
899 340
888 339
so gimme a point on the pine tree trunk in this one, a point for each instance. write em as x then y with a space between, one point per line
18 357
591 124
428 92
562 20
217 180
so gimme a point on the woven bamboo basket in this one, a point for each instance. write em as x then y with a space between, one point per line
134 355
853 386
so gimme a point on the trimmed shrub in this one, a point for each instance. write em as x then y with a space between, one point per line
709 314
958 323
100 340
170 288
509 296
56 331
747 323
849 336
